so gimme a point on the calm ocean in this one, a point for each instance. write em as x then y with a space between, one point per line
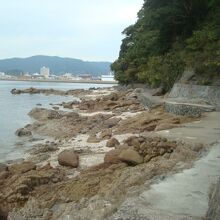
14 109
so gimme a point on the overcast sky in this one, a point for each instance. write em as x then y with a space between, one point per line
85 29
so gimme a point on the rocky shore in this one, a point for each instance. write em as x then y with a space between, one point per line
95 153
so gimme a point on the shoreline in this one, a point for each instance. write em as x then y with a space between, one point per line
63 81
107 148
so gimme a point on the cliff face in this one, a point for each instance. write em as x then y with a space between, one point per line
169 37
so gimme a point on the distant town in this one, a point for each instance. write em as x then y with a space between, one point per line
45 75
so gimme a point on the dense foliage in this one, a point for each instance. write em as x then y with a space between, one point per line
168 37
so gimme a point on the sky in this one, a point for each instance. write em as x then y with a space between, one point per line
84 29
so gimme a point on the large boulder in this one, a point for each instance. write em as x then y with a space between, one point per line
112 157
113 142
131 157
21 132
68 158
22 167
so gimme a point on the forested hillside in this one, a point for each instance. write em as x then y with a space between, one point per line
169 37
57 65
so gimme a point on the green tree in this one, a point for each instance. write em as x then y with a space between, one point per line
166 36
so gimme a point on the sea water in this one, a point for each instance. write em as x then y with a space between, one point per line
14 111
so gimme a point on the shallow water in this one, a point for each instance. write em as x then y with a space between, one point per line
14 109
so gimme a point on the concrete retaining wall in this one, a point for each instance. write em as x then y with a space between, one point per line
211 94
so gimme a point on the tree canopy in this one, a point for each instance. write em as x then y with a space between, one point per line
168 37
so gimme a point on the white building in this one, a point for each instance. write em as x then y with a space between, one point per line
2 74
67 76
45 71
109 77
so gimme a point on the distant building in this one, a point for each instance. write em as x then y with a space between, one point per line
85 77
27 75
97 78
67 76
45 71
109 77
2 74
36 74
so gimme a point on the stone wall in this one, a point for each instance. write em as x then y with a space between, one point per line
210 94
187 109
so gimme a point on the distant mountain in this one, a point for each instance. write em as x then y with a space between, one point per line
57 65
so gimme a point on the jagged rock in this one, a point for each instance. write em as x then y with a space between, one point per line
150 147
16 188
87 105
44 148
70 104
55 107
44 114
23 132
109 123
133 141
106 134
15 91
131 157
52 114
31 90
113 142
68 158
22 167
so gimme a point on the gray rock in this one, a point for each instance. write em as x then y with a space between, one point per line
23 132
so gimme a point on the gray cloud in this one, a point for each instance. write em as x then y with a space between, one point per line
90 30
